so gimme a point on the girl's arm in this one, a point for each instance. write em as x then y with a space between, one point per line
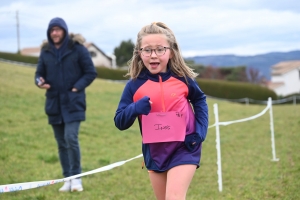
128 110
198 100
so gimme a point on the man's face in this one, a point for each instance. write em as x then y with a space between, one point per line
57 35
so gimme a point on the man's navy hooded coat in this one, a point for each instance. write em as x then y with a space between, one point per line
65 68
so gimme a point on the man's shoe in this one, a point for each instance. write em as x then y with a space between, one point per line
66 187
76 185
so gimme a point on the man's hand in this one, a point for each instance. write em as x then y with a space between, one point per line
74 90
42 85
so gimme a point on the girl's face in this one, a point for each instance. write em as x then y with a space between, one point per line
155 52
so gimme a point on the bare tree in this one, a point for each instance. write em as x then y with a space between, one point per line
254 76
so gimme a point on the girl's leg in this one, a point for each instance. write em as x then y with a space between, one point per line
158 182
178 181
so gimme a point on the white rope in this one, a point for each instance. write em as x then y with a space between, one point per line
36 184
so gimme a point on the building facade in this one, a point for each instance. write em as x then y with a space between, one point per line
285 78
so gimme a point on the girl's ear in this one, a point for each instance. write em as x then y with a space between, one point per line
171 54
139 54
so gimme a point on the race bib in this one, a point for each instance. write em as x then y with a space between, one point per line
163 127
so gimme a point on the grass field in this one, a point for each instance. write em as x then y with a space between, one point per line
28 150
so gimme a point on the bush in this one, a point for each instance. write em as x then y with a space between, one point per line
19 58
235 90
112 74
214 88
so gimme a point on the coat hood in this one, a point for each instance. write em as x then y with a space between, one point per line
60 23
75 38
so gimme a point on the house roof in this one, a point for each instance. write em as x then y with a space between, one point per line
87 45
31 51
36 50
284 67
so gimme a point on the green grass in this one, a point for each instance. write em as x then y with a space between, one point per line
28 150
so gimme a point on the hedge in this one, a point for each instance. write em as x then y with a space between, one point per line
19 58
113 74
235 90
215 88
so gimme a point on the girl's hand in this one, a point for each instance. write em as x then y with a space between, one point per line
143 106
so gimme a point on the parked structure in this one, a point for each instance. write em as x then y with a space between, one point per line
285 78
99 57
33 51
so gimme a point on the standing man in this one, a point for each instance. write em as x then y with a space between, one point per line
65 69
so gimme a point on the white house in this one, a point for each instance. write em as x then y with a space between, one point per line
285 78
32 51
99 58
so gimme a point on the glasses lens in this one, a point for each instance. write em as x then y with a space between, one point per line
146 52
57 29
160 51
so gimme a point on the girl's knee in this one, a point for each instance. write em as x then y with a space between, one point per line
175 196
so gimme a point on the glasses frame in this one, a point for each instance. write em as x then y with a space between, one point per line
141 50
56 29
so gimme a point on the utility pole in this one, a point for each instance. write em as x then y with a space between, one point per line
18 32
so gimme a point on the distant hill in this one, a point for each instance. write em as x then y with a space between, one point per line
261 62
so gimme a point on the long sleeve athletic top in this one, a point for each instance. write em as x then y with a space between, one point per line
167 92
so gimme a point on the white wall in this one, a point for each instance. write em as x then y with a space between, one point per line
114 64
99 59
291 83
277 78
34 54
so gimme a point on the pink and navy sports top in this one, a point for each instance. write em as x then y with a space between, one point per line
167 92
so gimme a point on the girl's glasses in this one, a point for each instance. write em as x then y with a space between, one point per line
159 51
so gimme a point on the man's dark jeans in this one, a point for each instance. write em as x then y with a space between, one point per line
66 136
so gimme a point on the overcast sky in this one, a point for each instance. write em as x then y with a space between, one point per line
202 27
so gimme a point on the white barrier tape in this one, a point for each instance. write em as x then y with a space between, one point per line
218 146
242 120
247 100
212 126
245 119
37 184
284 100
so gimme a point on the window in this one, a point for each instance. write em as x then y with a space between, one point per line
93 54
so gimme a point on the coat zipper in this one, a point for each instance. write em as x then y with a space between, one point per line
162 94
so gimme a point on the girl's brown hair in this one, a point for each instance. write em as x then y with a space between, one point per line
176 63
